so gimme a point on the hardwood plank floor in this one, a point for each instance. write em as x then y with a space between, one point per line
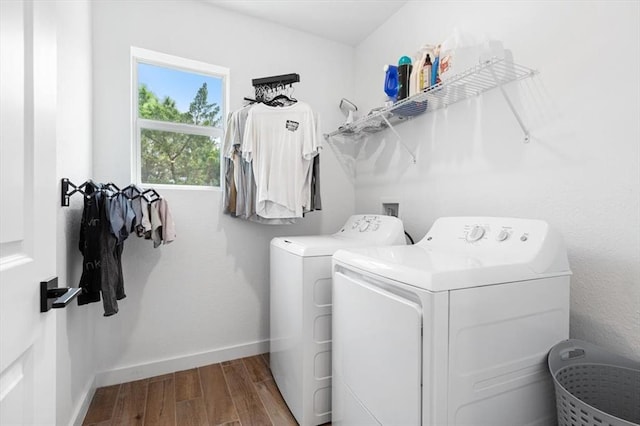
187 385
161 404
275 405
192 413
102 405
217 399
129 410
240 392
244 395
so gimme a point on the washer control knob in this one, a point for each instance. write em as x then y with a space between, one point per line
503 235
475 234
363 226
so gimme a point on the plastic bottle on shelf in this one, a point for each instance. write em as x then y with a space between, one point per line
404 74
391 82
416 73
435 76
425 76
458 53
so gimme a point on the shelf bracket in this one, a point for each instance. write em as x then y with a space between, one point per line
511 106
413 157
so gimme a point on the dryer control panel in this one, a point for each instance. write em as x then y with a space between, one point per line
496 240
501 233
373 227
486 232
366 223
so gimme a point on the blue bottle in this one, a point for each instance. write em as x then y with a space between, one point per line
434 71
391 82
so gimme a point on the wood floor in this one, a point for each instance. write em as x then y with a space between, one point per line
233 393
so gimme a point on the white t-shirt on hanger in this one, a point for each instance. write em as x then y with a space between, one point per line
281 143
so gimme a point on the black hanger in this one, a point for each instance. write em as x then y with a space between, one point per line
133 190
275 101
88 188
154 195
110 189
112 186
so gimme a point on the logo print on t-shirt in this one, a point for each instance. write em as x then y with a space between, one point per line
292 125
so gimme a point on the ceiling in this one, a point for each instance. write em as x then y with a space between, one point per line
344 21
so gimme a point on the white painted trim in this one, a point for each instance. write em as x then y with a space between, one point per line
164 186
190 65
83 406
156 368
135 130
167 126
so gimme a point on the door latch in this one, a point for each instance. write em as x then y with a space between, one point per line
52 296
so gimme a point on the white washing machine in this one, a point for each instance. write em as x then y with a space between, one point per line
300 358
454 330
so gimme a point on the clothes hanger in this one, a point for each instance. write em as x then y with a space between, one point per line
154 195
112 187
281 96
135 191
88 188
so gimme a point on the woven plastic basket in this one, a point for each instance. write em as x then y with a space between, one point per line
594 387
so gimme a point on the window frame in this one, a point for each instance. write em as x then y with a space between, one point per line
150 57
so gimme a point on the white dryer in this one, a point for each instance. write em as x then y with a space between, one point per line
454 330
300 357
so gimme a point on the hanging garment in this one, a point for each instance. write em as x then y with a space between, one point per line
122 216
146 220
230 146
89 245
312 183
281 142
316 202
156 225
168 226
108 217
227 164
101 267
162 227
243 184
239 183
136 204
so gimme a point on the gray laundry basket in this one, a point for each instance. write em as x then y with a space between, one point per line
594 387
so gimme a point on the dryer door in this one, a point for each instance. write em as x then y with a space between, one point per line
377 354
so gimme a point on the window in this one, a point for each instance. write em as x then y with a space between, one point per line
179 107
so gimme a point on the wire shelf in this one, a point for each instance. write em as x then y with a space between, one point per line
479 79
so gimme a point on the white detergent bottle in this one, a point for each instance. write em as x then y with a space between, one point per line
458 53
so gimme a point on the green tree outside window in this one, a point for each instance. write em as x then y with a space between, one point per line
179 158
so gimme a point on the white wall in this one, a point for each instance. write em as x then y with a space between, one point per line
75 324
580 172
209 289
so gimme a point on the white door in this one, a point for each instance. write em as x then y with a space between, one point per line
27 210
377 355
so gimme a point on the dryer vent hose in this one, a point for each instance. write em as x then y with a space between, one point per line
409 237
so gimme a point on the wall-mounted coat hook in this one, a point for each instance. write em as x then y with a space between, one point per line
52 296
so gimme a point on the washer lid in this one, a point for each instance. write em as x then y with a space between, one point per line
358 231
318 245
455 254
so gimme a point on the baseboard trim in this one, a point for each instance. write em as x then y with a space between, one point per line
156 368
81 409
